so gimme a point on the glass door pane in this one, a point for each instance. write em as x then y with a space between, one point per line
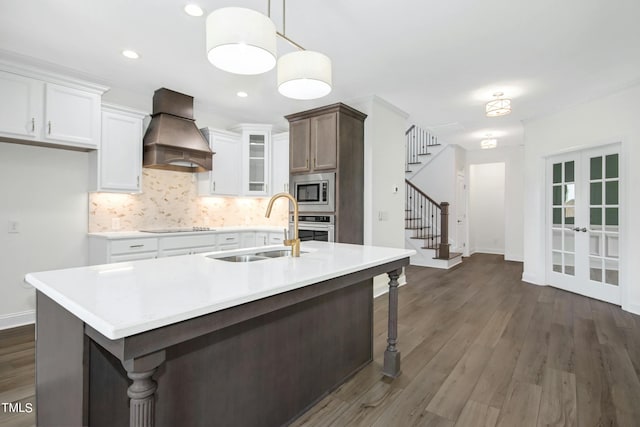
603 219
563 217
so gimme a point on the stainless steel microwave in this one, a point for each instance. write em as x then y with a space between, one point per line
314 192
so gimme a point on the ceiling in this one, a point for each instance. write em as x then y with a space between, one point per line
438 61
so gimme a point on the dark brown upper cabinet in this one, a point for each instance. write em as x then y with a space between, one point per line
315 136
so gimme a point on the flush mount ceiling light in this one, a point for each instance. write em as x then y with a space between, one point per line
241 41
488 143
499 106
242 94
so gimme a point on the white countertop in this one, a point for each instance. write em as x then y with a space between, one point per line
127 298
114 235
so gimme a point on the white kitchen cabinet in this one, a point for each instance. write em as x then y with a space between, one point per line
277 238
247 239
228 241
105 251
225 176
71 116
256 159
187 245
48 108
117 166
21 106
262 238
280 163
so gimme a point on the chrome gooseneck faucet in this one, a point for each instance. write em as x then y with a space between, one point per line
295 242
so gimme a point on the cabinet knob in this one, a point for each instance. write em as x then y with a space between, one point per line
33 124
49 127
307 164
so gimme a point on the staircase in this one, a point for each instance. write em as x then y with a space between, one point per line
421 145
426 221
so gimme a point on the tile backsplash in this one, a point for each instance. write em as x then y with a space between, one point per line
170 200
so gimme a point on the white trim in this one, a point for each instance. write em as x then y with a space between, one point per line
26 66
532 279
489 251
632 308
518 258
14 320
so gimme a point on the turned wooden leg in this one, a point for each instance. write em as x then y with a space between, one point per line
391 366
142 390
142 395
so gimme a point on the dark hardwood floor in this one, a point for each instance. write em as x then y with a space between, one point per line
479 348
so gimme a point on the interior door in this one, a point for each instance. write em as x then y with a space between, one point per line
584 222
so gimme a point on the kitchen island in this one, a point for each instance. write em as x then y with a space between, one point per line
196 340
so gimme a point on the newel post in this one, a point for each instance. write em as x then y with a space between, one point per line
443 250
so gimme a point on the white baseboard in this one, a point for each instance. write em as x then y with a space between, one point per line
530 278
13 320
491 251
632 308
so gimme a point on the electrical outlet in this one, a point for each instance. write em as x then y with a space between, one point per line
14 226
115 223
383 216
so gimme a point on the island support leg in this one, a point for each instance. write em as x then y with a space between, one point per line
142 391
391 366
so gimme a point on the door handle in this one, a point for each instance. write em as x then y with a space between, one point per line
583 229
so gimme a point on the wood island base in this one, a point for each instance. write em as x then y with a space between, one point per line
262 363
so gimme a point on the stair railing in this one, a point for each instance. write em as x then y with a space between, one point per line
418 143
428 219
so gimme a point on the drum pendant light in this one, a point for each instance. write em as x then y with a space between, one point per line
241 41
304 75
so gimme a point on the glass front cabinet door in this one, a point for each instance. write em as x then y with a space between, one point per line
256 152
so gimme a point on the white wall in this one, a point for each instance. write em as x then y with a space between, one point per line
486 208
45 190
383 171
615 118
513 159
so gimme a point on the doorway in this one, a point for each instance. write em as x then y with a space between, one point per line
583 222
486 208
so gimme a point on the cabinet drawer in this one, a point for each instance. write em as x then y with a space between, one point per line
180 242
276 238
129 246
133 256
228 238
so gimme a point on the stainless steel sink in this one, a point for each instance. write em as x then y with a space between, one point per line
276 253
240 258
255 256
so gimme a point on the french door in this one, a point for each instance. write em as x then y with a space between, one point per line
583 218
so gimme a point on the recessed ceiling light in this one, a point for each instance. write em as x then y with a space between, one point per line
193 10
242 94
130 54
